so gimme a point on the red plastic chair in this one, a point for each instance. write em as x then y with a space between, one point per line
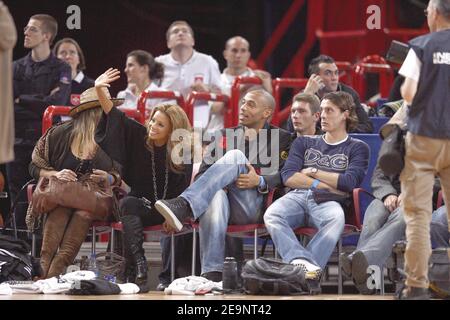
195 96
345 72
170 95
52 111
278 84
373 64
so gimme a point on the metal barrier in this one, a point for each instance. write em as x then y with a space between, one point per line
202 96
175 95
52 111
231 114
345 72
279 83
373 64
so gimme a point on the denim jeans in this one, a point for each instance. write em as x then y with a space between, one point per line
298 209
439 228
381 229
216 208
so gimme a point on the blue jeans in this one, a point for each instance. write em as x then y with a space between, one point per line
439 228
215 208
298 209
381 229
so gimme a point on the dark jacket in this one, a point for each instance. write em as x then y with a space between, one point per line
124 140
220 144
34 83
59 142
364 124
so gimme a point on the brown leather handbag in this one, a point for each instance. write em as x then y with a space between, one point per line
97 198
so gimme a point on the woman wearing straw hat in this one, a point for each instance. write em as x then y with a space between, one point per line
154 166
68 150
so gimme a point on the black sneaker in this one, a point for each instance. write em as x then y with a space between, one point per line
162 286
175 211
346 264
359 273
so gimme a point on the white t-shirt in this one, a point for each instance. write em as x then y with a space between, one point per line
411 66
228 79
131 99
180 77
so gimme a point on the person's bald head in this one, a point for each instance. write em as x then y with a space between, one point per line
237 52
256 109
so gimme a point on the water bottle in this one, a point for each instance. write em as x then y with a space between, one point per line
230 275
92 265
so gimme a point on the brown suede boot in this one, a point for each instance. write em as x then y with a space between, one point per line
74 236
53 232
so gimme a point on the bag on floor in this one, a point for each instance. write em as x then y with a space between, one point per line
265 276
438 269
15 259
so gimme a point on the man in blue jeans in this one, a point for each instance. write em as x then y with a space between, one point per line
239 168
322 171
383 226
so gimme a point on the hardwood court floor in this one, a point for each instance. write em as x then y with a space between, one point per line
155 295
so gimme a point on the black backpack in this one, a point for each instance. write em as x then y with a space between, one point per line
265 276
16 262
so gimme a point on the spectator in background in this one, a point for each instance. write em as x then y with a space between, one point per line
187 70
324 78
69 50
40 80
305 113
8 38
237 54
143 73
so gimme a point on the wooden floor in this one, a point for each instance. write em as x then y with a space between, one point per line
155 295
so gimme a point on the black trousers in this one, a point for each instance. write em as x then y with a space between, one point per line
17 174
27 133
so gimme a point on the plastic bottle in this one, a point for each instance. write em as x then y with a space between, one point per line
230 275
92 265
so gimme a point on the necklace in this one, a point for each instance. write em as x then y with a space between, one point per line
166 182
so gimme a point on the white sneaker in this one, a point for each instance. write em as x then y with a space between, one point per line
312 272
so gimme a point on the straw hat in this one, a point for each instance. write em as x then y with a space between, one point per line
89 100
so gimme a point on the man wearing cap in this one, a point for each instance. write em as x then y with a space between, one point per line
40 80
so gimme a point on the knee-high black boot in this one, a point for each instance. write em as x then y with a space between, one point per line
133 239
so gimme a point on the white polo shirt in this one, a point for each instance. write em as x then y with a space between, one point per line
180 77
131 99
228 79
